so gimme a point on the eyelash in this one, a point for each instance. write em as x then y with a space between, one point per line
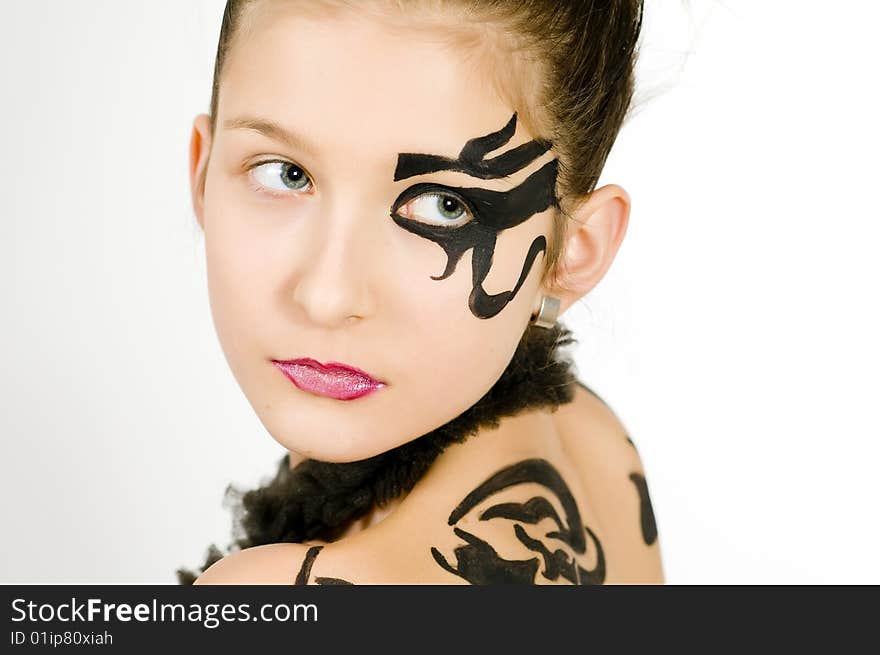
439 192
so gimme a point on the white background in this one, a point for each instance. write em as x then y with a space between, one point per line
735 335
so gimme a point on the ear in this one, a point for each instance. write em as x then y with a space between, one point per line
594 232
199 153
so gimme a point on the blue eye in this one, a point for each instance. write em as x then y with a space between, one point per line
435 208
290 176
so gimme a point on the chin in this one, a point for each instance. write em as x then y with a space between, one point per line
337 443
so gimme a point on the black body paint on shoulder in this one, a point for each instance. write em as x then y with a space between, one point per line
493 211
649 525
479 563
302 578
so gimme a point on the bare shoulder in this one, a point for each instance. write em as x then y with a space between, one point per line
589 426
614 479
261 565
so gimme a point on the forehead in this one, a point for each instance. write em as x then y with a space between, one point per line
357 85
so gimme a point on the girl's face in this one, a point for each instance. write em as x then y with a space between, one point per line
353 164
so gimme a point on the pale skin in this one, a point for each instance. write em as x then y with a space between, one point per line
321 271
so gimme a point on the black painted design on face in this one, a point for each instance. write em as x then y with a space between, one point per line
471 158
302 578
493 211
649 525
479 563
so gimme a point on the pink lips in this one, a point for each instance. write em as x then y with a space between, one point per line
333 380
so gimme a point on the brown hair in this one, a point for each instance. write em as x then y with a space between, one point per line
578 54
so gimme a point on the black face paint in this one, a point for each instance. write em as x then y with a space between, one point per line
649 525
493 211
479 563
470 159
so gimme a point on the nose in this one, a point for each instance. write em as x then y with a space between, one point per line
333 287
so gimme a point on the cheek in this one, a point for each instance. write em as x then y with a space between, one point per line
456 366
239 272
452 358
445 358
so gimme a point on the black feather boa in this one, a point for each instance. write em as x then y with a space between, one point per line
320 500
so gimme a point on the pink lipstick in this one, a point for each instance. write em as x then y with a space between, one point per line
332 380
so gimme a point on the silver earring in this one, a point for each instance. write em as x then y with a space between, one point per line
546 316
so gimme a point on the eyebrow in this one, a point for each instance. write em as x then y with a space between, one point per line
271 130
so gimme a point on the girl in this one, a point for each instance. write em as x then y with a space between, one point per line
398 201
